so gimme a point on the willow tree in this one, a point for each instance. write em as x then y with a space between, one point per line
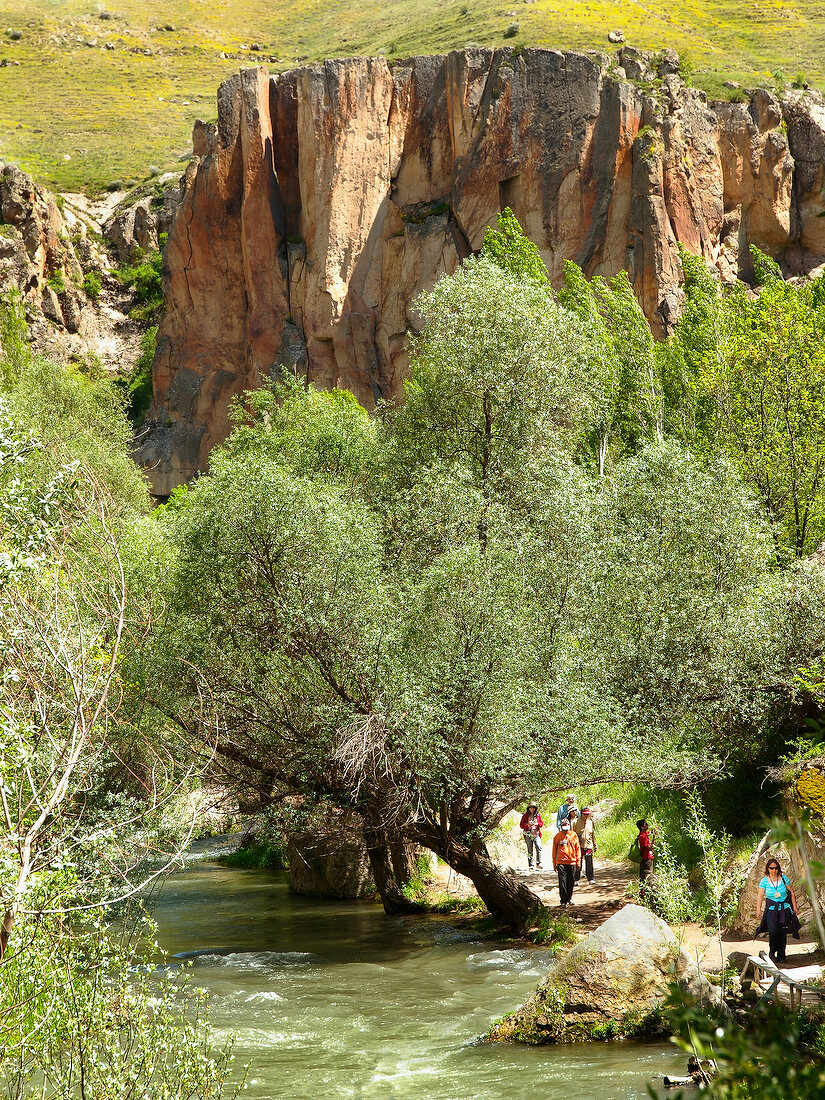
352 595
75 1020
413 616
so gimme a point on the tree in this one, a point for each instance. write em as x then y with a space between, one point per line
415 617
514 253
756 365
682 601
77 827
629 407
333 675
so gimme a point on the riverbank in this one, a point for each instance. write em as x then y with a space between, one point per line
594 903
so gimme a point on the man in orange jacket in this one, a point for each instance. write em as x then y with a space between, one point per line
567 855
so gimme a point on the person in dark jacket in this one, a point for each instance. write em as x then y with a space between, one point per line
776 910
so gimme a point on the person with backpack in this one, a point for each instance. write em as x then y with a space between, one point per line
645 844
776 911
530 826
564 810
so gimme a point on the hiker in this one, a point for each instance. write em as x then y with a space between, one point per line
566 857
776 911
573 818
586 832
530 826
645 842
564 810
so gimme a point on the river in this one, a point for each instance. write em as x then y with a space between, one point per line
335 999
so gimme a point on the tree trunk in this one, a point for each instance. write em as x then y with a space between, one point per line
507 899
389 889
403 857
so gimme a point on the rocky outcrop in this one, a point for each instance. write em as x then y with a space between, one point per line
326 198
613 982
330 860
138 226
36 257
48 247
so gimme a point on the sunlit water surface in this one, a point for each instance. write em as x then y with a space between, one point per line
335 999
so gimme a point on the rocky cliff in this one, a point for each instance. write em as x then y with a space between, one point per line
325 198
50 244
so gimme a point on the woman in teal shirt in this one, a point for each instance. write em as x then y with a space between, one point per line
776 910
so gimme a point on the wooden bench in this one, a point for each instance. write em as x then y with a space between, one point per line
794 979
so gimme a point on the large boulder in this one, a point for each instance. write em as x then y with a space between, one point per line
613 982
330 860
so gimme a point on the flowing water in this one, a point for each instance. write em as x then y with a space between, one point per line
335 999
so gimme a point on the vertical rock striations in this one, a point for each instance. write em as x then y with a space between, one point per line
326 198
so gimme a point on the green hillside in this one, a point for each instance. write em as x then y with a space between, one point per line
91 94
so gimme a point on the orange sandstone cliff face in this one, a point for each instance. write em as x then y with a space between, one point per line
326 198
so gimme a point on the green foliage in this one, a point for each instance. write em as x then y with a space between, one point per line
145 277
75 418
765 268
57 282
415 888
450 903
779 1053
30 505
92 285
137 385
507 246
84 1015
315 433
629 403
421 888
688 360
695 877
608 1029
672 524
554 930
745 375
732 804
78 827
262 855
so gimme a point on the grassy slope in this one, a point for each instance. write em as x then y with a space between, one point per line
80 116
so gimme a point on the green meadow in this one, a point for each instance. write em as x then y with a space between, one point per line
91 94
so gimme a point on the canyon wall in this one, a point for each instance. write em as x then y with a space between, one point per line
326 198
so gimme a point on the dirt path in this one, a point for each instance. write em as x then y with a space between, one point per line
592 905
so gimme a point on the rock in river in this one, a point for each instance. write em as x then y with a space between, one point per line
611 983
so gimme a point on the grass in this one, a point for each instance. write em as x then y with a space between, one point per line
422 889
263 855
81 116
